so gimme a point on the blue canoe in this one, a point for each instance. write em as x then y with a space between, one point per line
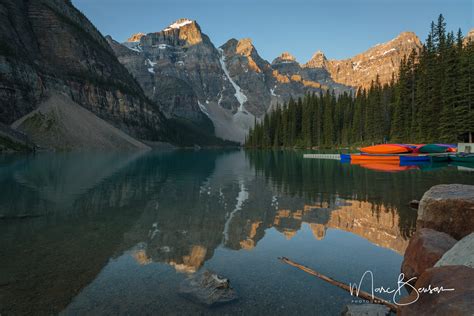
414 158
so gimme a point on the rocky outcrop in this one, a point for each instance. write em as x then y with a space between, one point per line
207 288
462 253
448 208
449 302
135 38
469 37
446 288
251 73
426 247
295 80
160 88
381 60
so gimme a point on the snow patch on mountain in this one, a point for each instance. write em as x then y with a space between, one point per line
203 108
151 64
242 98
178 24
388 51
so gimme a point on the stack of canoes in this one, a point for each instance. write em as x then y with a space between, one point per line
407 154
400 157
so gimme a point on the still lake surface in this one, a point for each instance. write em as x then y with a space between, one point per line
116 233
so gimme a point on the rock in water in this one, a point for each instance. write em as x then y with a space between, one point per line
448 208
365 310
426 247
414 204
456 302
462 253
207 288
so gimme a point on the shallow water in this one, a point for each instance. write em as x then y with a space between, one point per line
115 233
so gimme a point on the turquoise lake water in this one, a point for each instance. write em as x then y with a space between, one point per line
116 233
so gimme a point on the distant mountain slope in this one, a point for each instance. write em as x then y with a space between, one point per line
359 71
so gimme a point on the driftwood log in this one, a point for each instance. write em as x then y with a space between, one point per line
362 294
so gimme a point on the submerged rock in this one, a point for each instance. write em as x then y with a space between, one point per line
462 253
365 310
414 204
207 288
426 247
452 302
448 208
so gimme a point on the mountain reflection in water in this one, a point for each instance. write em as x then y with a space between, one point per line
184 210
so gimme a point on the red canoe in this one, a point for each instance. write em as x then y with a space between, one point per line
385 149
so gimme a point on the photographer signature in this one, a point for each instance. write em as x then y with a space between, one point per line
397 291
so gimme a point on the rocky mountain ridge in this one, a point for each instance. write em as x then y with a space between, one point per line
232 86
359 71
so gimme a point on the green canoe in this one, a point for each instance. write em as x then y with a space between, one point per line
462 158
433 149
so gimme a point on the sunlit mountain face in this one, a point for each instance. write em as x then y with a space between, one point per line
117 233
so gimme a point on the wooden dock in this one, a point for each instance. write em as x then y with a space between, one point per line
322 156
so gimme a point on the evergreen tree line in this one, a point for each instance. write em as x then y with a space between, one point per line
431 100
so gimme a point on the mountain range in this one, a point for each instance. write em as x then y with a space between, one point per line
180 68
171 86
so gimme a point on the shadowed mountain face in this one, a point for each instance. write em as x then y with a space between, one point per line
48 47
49 51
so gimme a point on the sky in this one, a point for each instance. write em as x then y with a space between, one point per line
339 28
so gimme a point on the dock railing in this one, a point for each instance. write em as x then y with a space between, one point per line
323 156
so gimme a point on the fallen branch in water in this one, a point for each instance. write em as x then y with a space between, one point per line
362 294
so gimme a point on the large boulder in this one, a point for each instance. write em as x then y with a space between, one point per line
448 208
458 302
426 247
462 253
207 288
